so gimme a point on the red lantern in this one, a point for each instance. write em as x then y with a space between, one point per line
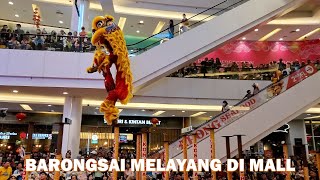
21 116
154 122
23 135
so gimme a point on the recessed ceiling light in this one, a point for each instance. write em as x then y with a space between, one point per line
49 105
158 113
52 110
135 114
244 38
143 110
65 93
10 2
141 22
173 115
256 30
308 114
297 30
281 39
97 107
15 91
138 31
26 107
183 111
61 22
16 15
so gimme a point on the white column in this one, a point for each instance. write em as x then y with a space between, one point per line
77 21
71 132
297 130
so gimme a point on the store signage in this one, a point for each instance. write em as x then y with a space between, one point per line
94 139
6 135
136 122
41 136
186 129
123 138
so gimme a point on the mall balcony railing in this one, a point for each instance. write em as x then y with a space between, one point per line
144 45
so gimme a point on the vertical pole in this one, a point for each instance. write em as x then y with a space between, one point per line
185 156
229 174
318 162
166 155
285 157
305 163
144 153
59 148
29 147
138 156
195 154
116 148
239 138
213 150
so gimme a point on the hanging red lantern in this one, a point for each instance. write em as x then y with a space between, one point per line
154 122
21 116
23 135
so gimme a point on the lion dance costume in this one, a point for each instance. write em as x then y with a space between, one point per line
108 37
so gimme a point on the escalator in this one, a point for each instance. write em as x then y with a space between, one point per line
229 22
257 116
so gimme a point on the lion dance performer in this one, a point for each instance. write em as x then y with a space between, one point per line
111 49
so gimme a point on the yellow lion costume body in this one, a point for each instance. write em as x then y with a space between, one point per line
107 36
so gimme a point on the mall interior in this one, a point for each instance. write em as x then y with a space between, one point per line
240 67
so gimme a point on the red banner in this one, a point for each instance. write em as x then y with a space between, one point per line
300 75
257 53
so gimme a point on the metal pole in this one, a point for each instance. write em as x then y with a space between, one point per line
138 156
195 154
166 155
144 153
116 148
229 174
185 156
239 138
213 150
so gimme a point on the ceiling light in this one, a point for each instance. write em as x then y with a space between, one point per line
16 15
61 22
49 105
281 39
308 114
267 36
197 114
256 30
183 111
26 107
244 38
158 113
313 117
141 22
138 31
297 30
52 110
173 115
158 27
15 91
10 2
122 22
97 107
143 110
65 93
135 114
308 34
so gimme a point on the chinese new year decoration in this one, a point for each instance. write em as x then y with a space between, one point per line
21 116
36 17
154 122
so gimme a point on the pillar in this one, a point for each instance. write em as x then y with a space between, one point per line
144 153
166 155
239 139
297 130
285 157
185 156
72 109
77 21
229 173
195 154
213 150
318 162
59 147
116 148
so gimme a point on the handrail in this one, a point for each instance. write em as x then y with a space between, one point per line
180 23
177 24
215 117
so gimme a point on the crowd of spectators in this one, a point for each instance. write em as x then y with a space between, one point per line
215 69
12 168
42 40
